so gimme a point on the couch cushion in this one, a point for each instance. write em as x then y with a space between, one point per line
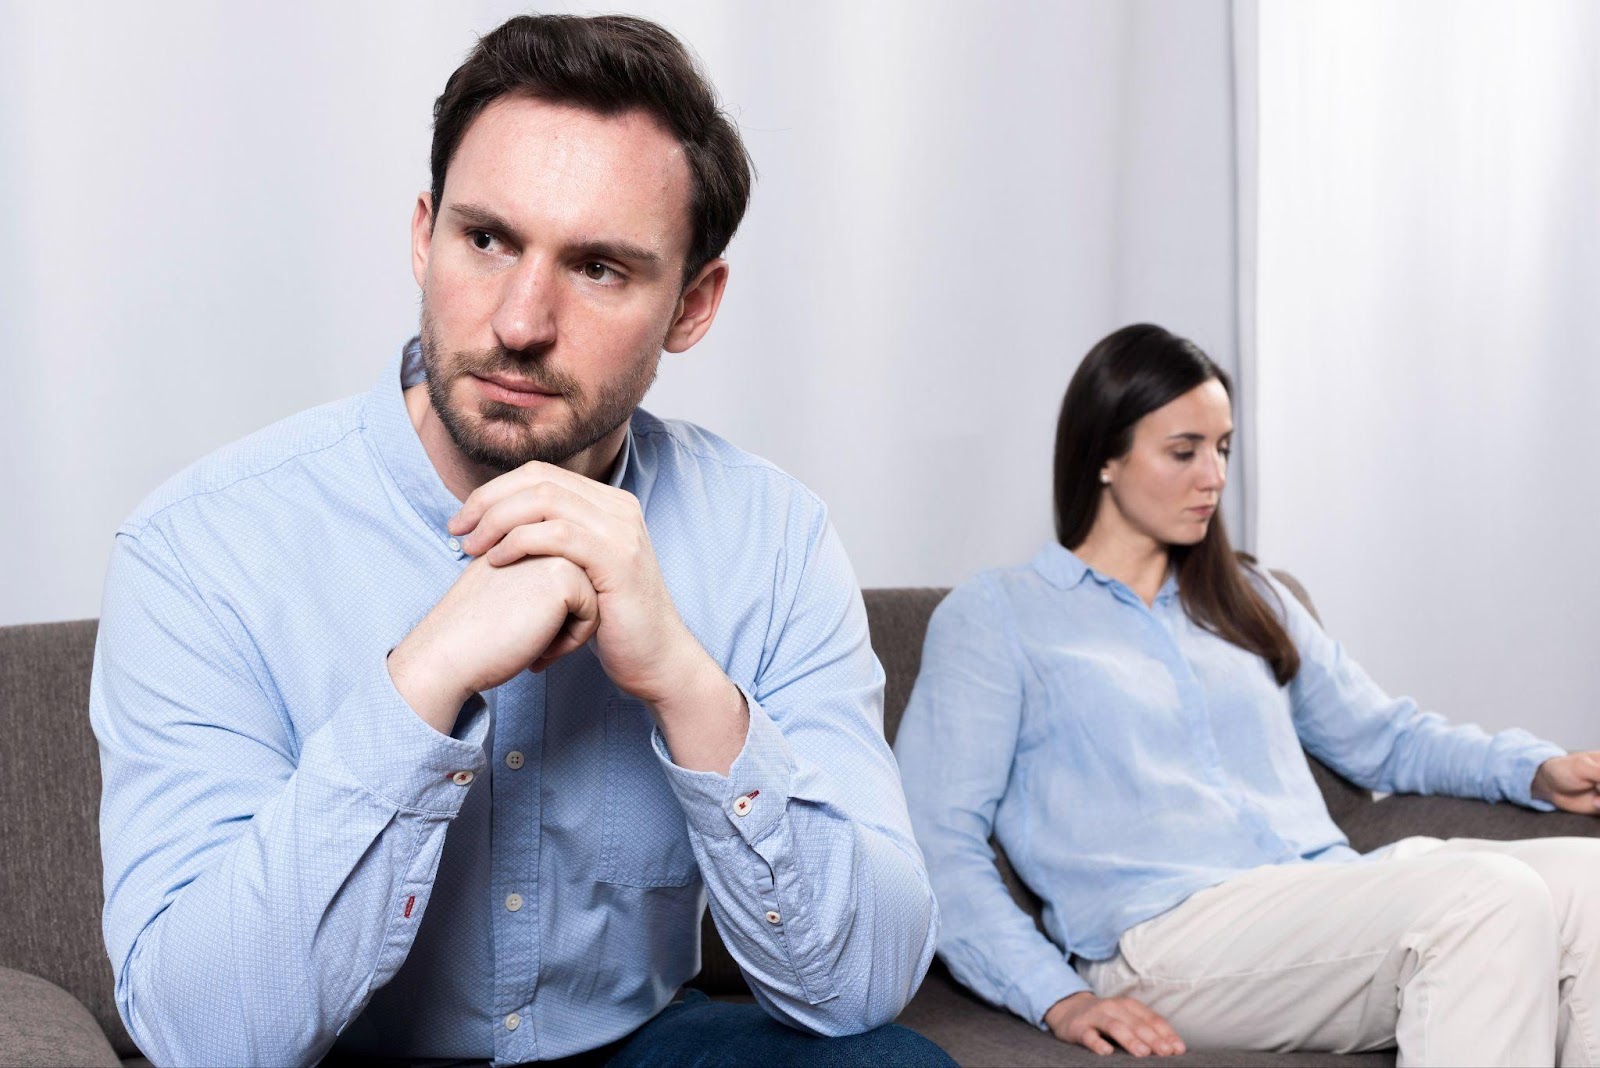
43 1024
50 800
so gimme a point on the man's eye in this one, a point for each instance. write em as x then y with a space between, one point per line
482 240
595 271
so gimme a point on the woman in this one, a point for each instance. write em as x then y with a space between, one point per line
1126 715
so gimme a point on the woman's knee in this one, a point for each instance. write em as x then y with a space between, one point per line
1498 905
1568 868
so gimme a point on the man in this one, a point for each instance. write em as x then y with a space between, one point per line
429 719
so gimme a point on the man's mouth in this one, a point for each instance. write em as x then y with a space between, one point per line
518 392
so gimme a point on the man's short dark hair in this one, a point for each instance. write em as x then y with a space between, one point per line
608 64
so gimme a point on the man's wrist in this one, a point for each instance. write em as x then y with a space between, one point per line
429 693
702 713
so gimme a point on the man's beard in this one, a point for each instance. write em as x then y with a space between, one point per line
503 437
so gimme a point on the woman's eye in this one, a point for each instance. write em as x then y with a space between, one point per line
1183 456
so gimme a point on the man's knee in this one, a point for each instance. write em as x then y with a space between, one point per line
705 1033
890 1045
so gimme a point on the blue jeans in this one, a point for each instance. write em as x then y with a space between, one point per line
696 1032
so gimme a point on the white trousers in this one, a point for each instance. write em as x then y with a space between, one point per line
1457 952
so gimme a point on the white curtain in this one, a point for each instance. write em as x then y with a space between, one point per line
204 209
1427 368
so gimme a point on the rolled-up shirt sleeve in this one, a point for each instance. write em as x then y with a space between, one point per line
1387 743
814 878
259 885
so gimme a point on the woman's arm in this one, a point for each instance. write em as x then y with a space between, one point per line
955 746
1386 743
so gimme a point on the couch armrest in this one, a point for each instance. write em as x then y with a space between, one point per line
1404 815
43 1025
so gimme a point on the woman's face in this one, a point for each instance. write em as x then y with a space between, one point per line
1169 484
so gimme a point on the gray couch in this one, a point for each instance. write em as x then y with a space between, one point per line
56 985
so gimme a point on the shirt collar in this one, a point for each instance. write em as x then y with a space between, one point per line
400 449
1058 564
1061 568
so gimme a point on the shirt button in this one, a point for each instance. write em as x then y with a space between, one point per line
514 760
513 1022
773 917
455 545
743 804
513 902
462 778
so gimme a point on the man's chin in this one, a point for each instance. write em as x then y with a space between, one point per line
503 441
506 452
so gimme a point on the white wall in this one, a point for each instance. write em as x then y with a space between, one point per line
203 214
1429 270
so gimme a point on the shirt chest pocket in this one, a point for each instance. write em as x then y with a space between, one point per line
645 838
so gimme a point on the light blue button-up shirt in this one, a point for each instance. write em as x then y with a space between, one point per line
293 858
1126 758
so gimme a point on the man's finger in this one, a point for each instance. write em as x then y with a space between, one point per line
573 636
534 505
550 537
526 477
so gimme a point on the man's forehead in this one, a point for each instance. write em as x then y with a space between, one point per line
535 161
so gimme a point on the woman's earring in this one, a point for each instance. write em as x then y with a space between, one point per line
1105 478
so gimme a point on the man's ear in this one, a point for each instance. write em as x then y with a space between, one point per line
421 237
697 307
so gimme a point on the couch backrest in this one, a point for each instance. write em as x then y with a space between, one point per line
50 805
50 793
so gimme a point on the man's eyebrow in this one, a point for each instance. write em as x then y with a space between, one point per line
600 248
625 251
474 215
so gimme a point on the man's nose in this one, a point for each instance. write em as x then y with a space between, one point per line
526 317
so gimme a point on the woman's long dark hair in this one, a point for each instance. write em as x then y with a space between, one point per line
1125 377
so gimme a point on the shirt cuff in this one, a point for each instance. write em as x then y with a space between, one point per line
384 745
1516 777
749 800
1046 988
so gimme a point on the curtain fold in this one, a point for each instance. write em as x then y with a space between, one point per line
1426 350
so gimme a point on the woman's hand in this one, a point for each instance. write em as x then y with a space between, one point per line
1090 1022
1570 782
